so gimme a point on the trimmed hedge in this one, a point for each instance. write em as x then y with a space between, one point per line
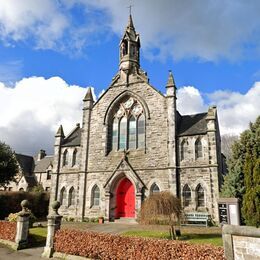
7 230
10 202
107 246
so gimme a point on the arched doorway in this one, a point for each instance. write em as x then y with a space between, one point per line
125 199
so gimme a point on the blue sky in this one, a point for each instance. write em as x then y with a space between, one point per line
211 47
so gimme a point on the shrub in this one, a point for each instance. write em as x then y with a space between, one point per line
7 230
11 202
107 246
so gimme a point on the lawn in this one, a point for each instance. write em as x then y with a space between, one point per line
200 236
37 236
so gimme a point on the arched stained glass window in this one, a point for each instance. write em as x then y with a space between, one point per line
186 195
198 149
74 158
123 133
141 131
71 197
200 196
154 188
62 196
127 129
95 196
65 159
132 133
115 134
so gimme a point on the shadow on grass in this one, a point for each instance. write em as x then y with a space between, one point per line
37 237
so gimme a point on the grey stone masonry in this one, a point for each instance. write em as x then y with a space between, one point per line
22 230
54 222
241 242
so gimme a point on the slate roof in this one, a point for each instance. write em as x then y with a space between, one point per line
26 163
43 164
73 139
31 181
192 124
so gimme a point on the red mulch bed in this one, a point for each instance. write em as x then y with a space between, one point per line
107 246
7 230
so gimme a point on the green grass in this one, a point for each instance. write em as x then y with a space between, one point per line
37 236
213 239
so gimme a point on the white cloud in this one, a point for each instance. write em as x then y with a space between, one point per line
235 110
208 30
190 101
32 110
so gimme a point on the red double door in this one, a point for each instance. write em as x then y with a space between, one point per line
125 199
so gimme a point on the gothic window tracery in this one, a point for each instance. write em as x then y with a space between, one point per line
128 126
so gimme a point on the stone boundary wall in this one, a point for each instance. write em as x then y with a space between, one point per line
241 242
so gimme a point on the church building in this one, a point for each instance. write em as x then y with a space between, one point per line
133 142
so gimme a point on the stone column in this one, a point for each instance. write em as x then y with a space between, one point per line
22 230
54 222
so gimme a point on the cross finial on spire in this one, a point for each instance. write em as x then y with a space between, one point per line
130 9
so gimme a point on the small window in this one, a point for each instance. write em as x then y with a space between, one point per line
198 149
62 196
74 157
48 175
154 188
95 196
71 197
184 149
200 196
65 160
186 196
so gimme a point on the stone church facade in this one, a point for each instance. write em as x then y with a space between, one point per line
133 142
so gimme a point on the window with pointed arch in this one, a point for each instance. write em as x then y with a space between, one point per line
74 157
127 126
186 195
71 200
200 195
155 188
198 149
95 196
184 149
65 158
62 196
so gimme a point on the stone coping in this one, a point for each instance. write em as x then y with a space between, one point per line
241 231
69 257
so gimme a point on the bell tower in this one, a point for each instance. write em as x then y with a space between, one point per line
129 49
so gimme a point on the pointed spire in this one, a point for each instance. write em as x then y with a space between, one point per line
60 132
171 82
88 96
130 22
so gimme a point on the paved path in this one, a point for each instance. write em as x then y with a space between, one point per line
25 254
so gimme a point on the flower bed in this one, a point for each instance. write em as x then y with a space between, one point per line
7 230
106 246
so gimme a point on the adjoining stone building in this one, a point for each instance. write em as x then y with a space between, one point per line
32 171
133 142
